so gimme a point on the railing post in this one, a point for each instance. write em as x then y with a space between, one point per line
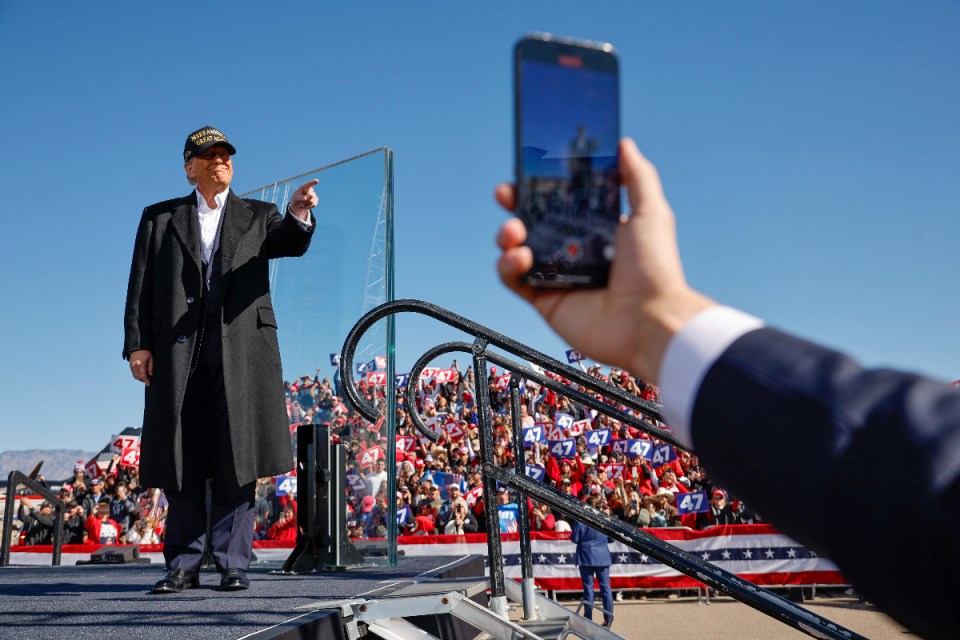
498 597
14 480
523 512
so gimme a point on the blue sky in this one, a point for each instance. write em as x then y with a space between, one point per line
810 151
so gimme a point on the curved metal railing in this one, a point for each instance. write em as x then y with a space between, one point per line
713 576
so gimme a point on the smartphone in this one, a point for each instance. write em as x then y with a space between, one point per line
567 132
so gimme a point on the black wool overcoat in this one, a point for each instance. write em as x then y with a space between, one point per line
162 315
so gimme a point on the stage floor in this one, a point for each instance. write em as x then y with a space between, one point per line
113 601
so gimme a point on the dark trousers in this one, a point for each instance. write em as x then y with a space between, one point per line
207 454
606 593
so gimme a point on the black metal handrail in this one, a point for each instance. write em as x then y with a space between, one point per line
764 601
14 480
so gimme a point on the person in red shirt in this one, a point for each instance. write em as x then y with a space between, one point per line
101 529
285 528
542 519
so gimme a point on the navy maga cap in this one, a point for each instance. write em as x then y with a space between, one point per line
202 139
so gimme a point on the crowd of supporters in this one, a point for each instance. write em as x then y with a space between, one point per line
112 508
439 485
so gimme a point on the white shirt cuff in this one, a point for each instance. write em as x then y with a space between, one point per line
690 354
306 225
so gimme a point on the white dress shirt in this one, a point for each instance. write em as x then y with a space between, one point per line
688 358
209 220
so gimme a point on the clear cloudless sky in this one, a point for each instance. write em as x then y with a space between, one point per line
811 152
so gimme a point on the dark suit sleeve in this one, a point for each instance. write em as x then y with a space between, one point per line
138 312
285 236
860 465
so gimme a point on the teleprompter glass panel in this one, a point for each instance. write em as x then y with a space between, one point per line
318 297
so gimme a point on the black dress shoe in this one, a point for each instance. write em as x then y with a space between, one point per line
176 581
234 580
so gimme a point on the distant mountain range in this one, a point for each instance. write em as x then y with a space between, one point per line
57 466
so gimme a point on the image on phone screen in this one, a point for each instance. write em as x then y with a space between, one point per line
568 183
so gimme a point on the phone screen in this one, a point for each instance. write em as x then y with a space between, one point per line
568 181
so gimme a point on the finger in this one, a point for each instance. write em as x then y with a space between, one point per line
307 186
639 176
506 195
513 233
150 366
512 265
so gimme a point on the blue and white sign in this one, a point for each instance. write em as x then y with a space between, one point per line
633 447
564 420
598 438
402 379
361 368
334 359
563 448
286 485
536 472
356 482
402 514
372 365
662 454
693 502
574 356
533 435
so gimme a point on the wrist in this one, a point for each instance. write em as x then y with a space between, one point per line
662 319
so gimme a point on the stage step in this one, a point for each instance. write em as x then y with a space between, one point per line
548 610
403 612
454 609
546 629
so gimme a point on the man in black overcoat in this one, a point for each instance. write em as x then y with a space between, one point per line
200 333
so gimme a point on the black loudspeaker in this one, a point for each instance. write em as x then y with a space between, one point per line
116 555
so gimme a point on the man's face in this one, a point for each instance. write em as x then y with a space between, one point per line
212 170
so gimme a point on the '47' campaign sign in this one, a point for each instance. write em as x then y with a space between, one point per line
578 427
536 472
286 485
563 448
564 420
376 378
693 502
598 438
533 435
615 470
370 456
662 454
633 447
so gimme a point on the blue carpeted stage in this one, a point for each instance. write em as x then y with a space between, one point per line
113 601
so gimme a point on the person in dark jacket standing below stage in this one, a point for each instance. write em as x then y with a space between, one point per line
593 559
200 333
